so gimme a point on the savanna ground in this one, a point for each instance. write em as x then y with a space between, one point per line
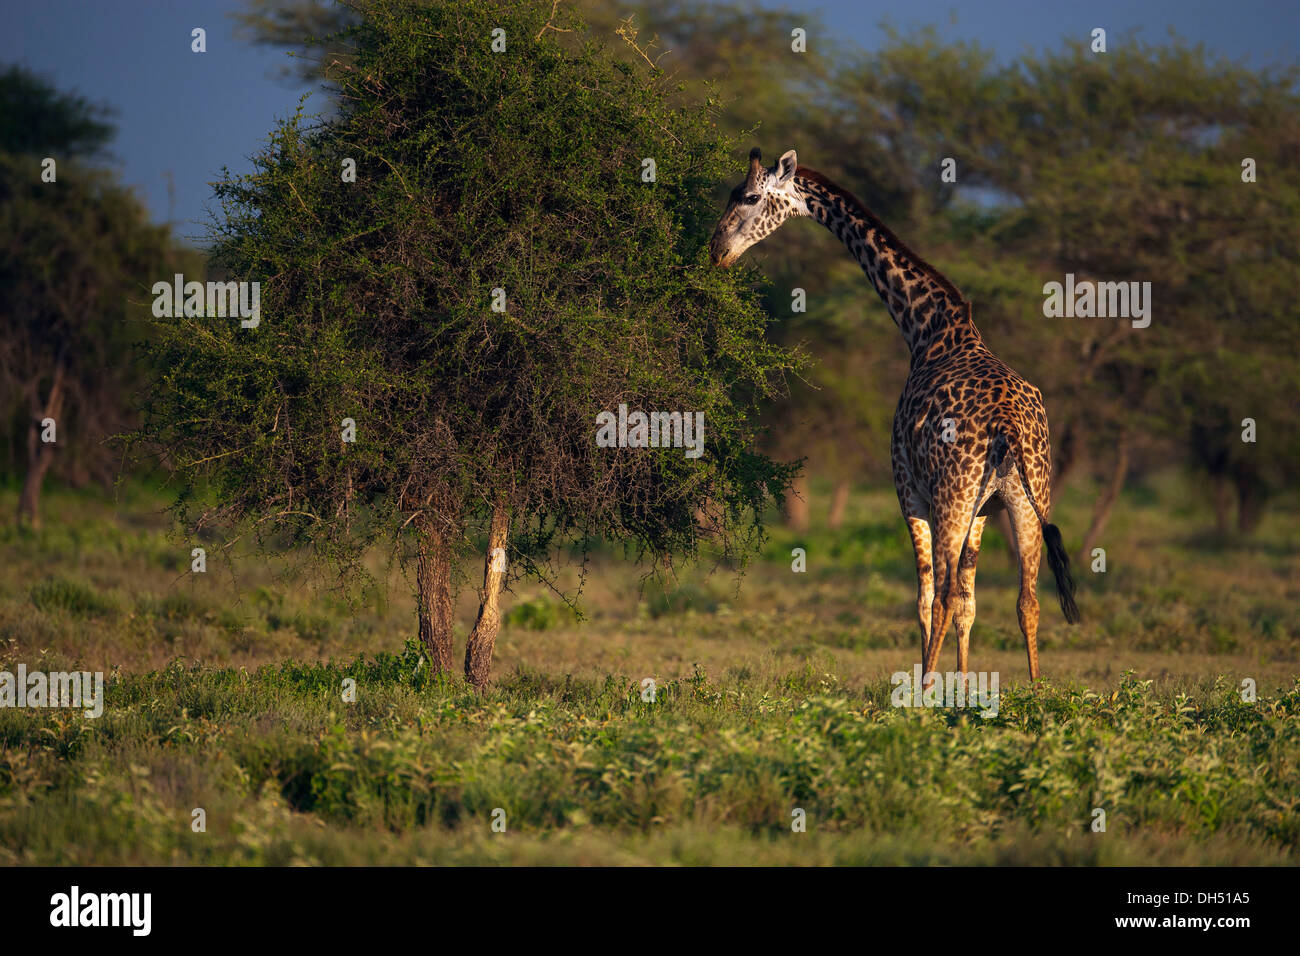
773 694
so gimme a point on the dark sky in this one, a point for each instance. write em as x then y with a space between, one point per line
184 115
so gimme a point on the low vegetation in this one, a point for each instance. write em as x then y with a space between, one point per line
772 695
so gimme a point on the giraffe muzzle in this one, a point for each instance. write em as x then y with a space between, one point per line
718 251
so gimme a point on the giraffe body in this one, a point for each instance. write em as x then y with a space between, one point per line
970 435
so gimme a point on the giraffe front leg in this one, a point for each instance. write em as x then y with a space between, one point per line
919 528
949 538
964 613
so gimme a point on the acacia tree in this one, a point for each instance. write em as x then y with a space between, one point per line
439 332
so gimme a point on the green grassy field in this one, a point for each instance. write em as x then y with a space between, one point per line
773 695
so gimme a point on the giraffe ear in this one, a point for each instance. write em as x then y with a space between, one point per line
785 166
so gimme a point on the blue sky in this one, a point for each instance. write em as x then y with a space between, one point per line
184 115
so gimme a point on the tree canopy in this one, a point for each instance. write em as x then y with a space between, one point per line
520 250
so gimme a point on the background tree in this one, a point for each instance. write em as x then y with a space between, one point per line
515 178
1128 167
77 255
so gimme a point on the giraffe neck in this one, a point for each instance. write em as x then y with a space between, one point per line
932 315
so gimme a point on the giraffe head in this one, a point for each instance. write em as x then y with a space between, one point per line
757 206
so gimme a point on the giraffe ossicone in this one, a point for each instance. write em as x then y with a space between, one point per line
1001 457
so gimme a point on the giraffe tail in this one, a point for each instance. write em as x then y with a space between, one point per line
1059 562
1057 558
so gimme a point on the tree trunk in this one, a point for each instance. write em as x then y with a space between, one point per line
29 499
40 455
839 505
436 607
1251 493
796 504
1101 511
1222 503
478 650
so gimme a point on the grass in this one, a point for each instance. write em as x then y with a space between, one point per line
225 693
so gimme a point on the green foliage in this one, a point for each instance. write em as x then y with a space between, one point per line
789 700
75 597
541 613
476 171
417 763
689 598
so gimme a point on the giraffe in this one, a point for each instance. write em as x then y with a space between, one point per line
969 435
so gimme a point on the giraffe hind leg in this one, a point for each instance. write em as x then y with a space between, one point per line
1028 533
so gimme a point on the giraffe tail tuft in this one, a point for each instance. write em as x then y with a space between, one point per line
1059 562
